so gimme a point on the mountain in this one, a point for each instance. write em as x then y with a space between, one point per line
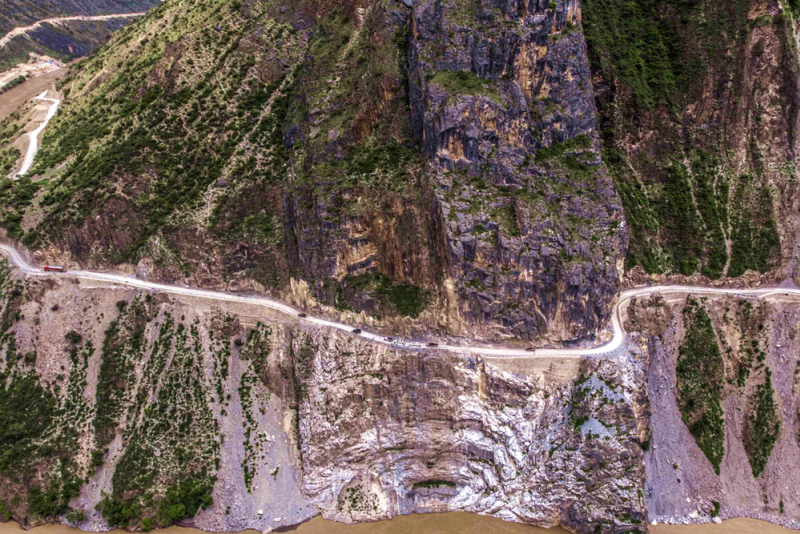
474 171
17 13
346 149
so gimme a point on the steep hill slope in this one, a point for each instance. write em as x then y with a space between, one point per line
435 163
698 107
143 410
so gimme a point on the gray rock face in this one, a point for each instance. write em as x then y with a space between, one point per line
387 432
504 110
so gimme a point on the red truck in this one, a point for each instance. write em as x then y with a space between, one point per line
54 269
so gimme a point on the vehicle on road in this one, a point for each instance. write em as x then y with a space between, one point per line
356 330
302 315
389 339
530 349
54 269
432 344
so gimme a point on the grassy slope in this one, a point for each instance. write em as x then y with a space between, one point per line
700 375
684 192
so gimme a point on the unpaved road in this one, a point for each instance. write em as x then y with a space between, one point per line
616 342
23 29
33 137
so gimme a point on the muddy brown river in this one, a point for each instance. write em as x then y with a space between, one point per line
451 523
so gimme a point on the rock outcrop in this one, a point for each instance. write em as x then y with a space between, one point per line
502 103
388 432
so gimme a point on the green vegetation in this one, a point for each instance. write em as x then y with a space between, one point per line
392 159
15 195
715 511
754 233
12 84
700 376
762 425
435 483
403 299
26 412
38 433
122 348
169 429
507 218
467 83
256 350
644 43
8 157
680 200
184 499
636 45
557 149
189 133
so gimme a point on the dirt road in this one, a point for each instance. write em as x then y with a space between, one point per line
23 29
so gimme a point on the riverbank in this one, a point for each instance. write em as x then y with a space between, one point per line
449 523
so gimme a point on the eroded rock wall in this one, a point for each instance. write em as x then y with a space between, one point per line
502 103
388 432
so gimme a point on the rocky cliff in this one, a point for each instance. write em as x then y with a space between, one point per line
501 98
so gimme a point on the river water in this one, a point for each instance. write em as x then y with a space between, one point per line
450 523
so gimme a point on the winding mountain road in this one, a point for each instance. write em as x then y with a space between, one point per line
24 29
616 342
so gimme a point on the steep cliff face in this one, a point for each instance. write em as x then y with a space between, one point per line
502 101
464 435
433 168
698 113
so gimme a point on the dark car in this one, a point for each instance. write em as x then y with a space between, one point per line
432 344
389 339
356 330
302 315
531 349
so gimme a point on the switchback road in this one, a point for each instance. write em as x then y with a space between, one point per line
616 342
